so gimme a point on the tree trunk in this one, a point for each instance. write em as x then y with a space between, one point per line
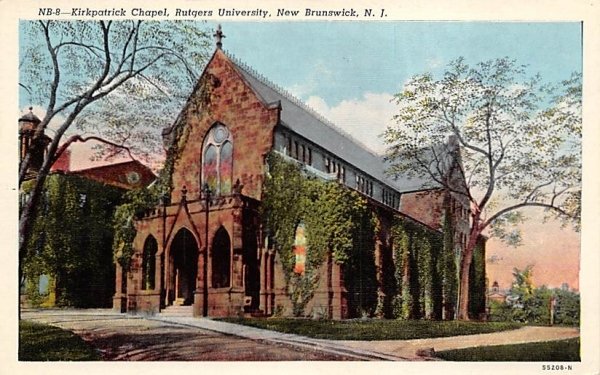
465 266
463 300
27 214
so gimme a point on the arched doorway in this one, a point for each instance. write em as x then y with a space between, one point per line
183 268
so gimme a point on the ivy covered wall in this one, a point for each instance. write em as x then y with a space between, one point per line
416 276
477 281
71 243
420 265
338 223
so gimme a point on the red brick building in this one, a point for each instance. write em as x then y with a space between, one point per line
210 253
77 205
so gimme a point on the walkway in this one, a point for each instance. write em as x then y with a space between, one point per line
408 348
121 337
126 337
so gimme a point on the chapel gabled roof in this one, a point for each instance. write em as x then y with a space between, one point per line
302 120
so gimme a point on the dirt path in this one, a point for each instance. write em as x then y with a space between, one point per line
122 338
408 348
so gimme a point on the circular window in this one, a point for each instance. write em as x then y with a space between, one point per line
220 134
133 178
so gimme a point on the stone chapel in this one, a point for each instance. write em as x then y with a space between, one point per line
203 252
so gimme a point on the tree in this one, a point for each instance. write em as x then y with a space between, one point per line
518 146
84 72
526 303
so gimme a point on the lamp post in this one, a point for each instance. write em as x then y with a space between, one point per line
164 200
206 192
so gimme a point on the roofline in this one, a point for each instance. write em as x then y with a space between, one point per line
169 129
384 183
399 213
111 165
294 100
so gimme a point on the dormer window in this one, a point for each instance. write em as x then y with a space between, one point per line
217 163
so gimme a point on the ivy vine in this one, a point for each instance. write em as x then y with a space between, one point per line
71 240
418 270
337 222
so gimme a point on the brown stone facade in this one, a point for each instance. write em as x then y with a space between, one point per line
255 283
231 234
425 206
213 254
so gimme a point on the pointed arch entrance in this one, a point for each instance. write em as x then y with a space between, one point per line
183 268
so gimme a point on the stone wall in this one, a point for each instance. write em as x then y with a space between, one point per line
236 106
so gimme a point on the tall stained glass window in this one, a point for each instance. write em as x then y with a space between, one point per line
217 163
300 249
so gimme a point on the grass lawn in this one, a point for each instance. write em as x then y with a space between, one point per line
40 342
374 329
562 350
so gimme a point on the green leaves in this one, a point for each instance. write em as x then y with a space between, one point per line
136 203
336 219
149 68
520 139
71 240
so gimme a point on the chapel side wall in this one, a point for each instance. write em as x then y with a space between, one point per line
426 207
329 300
232 103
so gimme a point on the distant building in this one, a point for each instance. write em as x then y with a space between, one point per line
496 294
73 224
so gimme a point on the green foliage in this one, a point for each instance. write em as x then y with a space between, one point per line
374 329
549 351
447 266
34 297
519 143
40 342
337 222
568 307
417 254
137 202
163 58
71 241
477 282
403 301
522 287
528 304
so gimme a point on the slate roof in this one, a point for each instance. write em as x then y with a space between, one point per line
30 117
302 120
116 174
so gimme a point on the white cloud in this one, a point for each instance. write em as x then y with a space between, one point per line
365 118
434 63
319 73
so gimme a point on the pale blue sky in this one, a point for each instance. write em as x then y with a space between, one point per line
343 60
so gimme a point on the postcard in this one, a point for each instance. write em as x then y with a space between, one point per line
300 185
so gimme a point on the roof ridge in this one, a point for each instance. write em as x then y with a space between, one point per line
298 102
110 165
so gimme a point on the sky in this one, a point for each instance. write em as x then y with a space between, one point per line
349 71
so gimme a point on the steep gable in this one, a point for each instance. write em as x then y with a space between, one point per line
222 96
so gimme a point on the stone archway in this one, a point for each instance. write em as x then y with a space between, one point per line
183 269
